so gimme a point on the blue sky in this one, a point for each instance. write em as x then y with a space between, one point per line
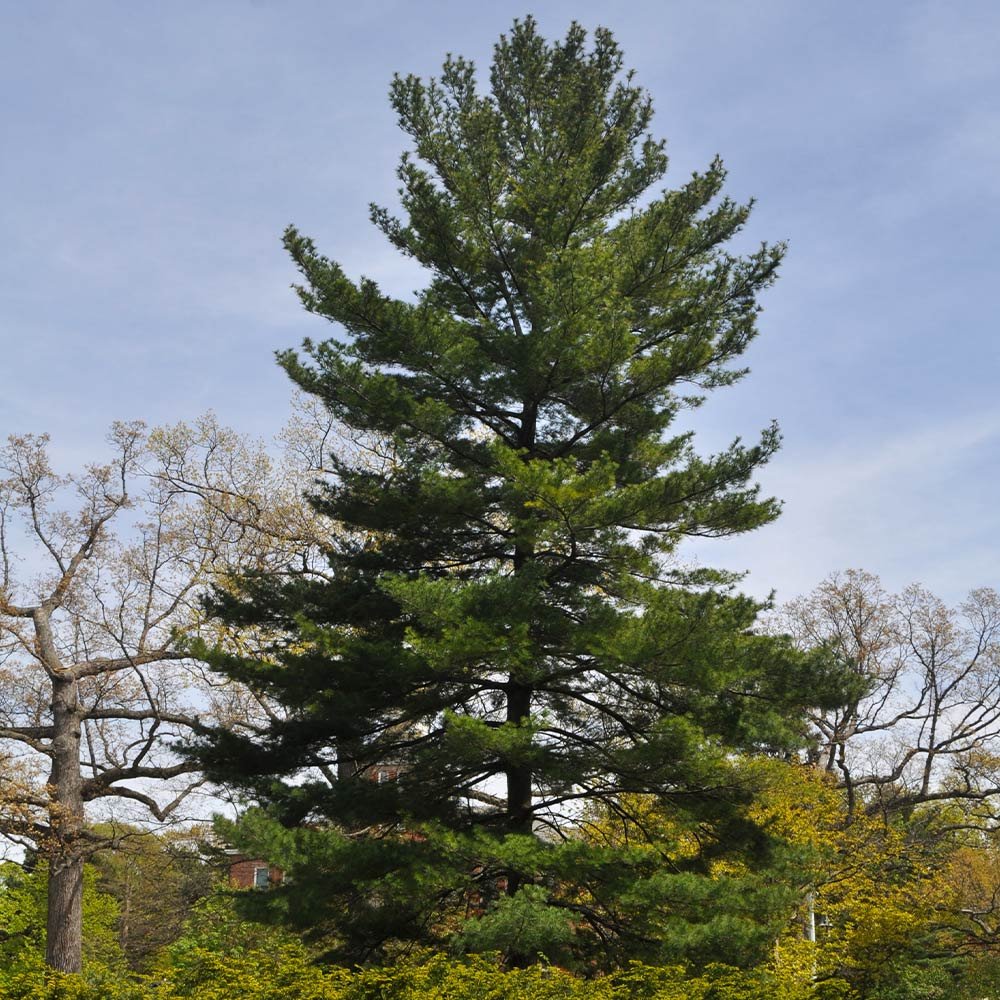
152 155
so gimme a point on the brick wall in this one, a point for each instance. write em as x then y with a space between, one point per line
243 872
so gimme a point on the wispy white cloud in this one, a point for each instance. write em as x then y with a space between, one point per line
915 505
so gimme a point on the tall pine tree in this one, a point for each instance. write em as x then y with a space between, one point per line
503 623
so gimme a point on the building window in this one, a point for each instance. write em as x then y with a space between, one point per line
261 878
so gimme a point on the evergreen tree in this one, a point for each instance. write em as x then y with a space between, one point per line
503 620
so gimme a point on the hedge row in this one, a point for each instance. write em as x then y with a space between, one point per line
203 975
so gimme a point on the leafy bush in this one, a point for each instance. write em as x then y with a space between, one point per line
286 973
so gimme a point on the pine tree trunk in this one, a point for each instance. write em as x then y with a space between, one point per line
519 814
64 943
518 776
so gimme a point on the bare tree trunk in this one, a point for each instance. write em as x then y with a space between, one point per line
64 943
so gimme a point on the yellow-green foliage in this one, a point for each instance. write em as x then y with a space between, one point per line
23 917
288 974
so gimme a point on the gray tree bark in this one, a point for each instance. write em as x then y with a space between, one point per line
64 940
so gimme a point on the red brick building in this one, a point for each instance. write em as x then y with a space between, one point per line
252 873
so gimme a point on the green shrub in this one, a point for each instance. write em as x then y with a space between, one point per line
286 972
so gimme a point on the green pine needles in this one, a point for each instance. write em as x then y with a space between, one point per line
502 620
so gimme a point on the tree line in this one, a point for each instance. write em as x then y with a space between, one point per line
464 573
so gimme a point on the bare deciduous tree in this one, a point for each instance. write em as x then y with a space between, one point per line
924 722
101 574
